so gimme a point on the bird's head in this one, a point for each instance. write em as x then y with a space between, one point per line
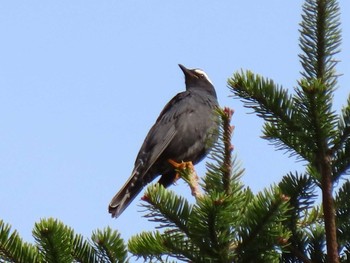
197 78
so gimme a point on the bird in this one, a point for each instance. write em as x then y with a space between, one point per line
183 132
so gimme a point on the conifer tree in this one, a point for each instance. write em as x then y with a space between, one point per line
227 222
55 242
306 125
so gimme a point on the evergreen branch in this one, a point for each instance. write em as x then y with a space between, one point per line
109 246
177 216
317 242
342 206
341 148
300 190
314 101
341 164
343 126
268 100
320 40
180 247
213 181
296 142
167 208
312 216
148 245
283 126
306 125
299 255
82 251
346 254
262 225
211 223
226 116
13 249
54 240
216 214
224 172
154 245
317 100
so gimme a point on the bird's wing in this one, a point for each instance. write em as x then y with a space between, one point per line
162 133
159 148
156 141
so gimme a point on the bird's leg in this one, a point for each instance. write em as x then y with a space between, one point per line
180 166
186 171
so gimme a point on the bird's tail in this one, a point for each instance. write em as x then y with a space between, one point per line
125 195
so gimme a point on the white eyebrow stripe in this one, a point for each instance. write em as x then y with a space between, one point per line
199 71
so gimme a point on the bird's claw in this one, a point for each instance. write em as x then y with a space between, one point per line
191 178
182 165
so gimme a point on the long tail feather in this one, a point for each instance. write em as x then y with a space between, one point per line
125 195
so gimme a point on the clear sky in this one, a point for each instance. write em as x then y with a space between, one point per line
81 83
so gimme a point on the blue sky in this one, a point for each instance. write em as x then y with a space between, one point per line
81 83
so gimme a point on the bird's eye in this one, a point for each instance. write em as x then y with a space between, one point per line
200 74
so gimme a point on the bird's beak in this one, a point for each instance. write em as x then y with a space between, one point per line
186 71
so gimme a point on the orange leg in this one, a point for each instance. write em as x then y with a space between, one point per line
192 179
180 166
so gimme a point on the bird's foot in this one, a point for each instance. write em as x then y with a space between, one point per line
186 171
181 167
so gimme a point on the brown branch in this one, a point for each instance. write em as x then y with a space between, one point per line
228 147
329 210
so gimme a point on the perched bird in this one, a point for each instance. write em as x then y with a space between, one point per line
183 132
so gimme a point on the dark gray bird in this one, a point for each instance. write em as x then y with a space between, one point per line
182 132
